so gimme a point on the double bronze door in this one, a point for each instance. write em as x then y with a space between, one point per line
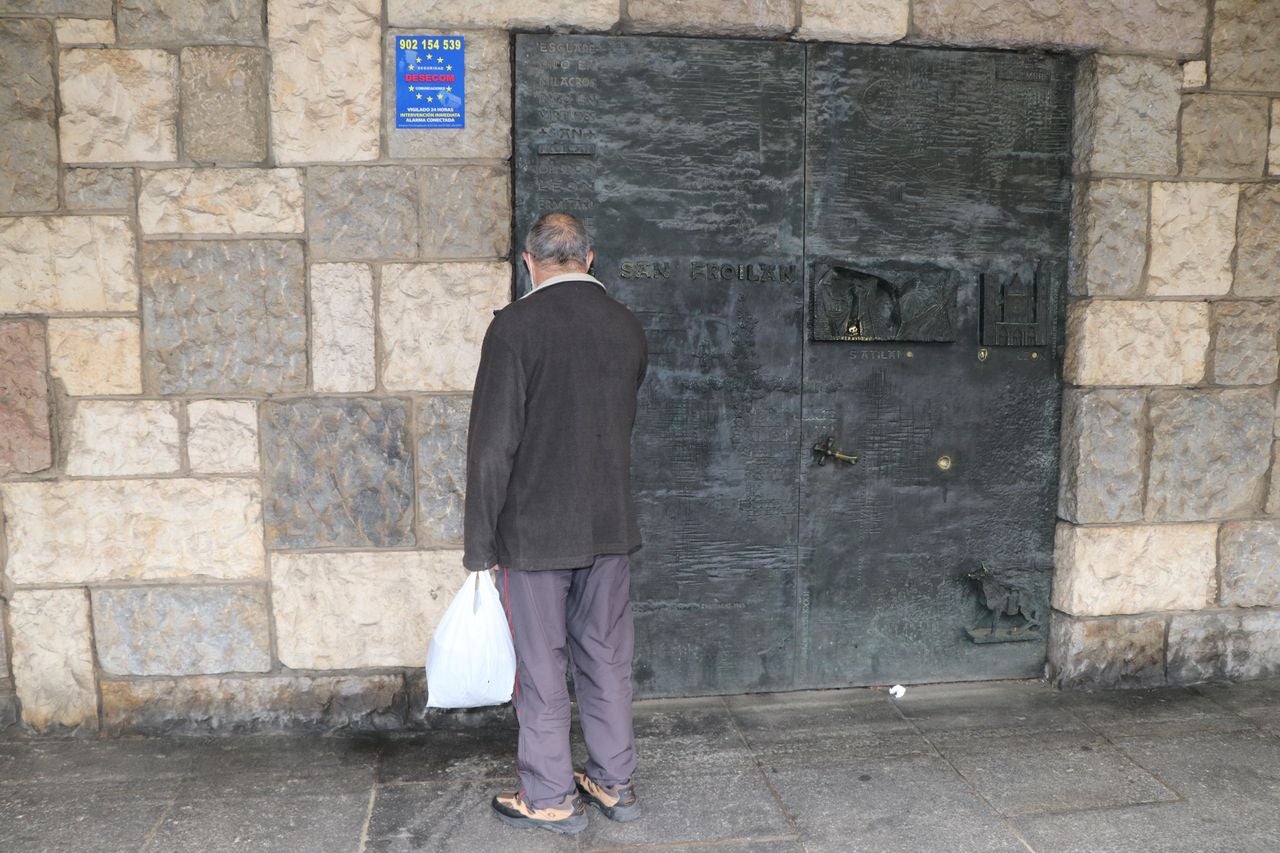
849 261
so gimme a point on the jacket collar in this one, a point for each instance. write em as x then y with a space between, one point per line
572 276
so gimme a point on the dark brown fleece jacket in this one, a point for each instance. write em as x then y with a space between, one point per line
549 446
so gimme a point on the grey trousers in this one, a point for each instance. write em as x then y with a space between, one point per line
586 612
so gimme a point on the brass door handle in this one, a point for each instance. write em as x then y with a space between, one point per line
826 449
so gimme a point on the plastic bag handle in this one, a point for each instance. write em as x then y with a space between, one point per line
475 600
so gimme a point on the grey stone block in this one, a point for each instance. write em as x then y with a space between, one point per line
8 705
1126 651
79 8
242 705
1243 45
224 316
1127 115
98 189
363 212
5 672
1210 453
224 100
1103 456
28 145
1234 645
338 472
190 630
1224 136
466 212
197 21
1249 564
1244 343
441 424
1258 241
1109 237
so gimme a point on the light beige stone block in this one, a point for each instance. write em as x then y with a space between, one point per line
1195 74
78 531
347 611
1273 150
503 14
222 436
96 355
1104 571
122 437
84 31
342 328
221 201
52 264
1109 237
1136 343
876 21
1126 118
433 319
1193 233
325 83
712 17
118 106
53 658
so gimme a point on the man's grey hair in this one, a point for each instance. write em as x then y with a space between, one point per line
558 238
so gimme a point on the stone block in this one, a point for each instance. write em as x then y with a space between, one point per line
1243 45
503 14
1231 645
363 212
89 531
1169 27
85 31
224 317
55 264
92 356
466 212
139 122
5 671
874 21
433 320
1136 343
122 437
1224 136
1249 564
712 17
1103 455
237 705
182 630
1126 115
224 104
342 328
98 189
1258 241
1195 74
29 144
488 131
441 424
220 201
179 21
1193 234
223 436
25 439
1273 150
348 611
338 472
1210 451
1244 343
53 659
1107 571
1113 652
85 8
1109 245
325 87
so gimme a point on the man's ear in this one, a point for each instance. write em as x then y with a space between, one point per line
591 259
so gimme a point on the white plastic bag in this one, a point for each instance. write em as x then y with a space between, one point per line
471 661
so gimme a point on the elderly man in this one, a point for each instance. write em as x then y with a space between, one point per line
549 507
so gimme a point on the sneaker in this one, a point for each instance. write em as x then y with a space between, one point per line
512 810
617 803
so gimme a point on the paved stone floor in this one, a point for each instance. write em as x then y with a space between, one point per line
983 767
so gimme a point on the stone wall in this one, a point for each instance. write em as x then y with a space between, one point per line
236 344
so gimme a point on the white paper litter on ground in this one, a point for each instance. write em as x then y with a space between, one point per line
897 691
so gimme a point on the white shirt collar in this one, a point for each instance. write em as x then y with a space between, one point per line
570 276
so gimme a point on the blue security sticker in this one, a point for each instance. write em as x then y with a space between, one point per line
431 92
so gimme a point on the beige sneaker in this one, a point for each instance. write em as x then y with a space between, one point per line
617 803
569 819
